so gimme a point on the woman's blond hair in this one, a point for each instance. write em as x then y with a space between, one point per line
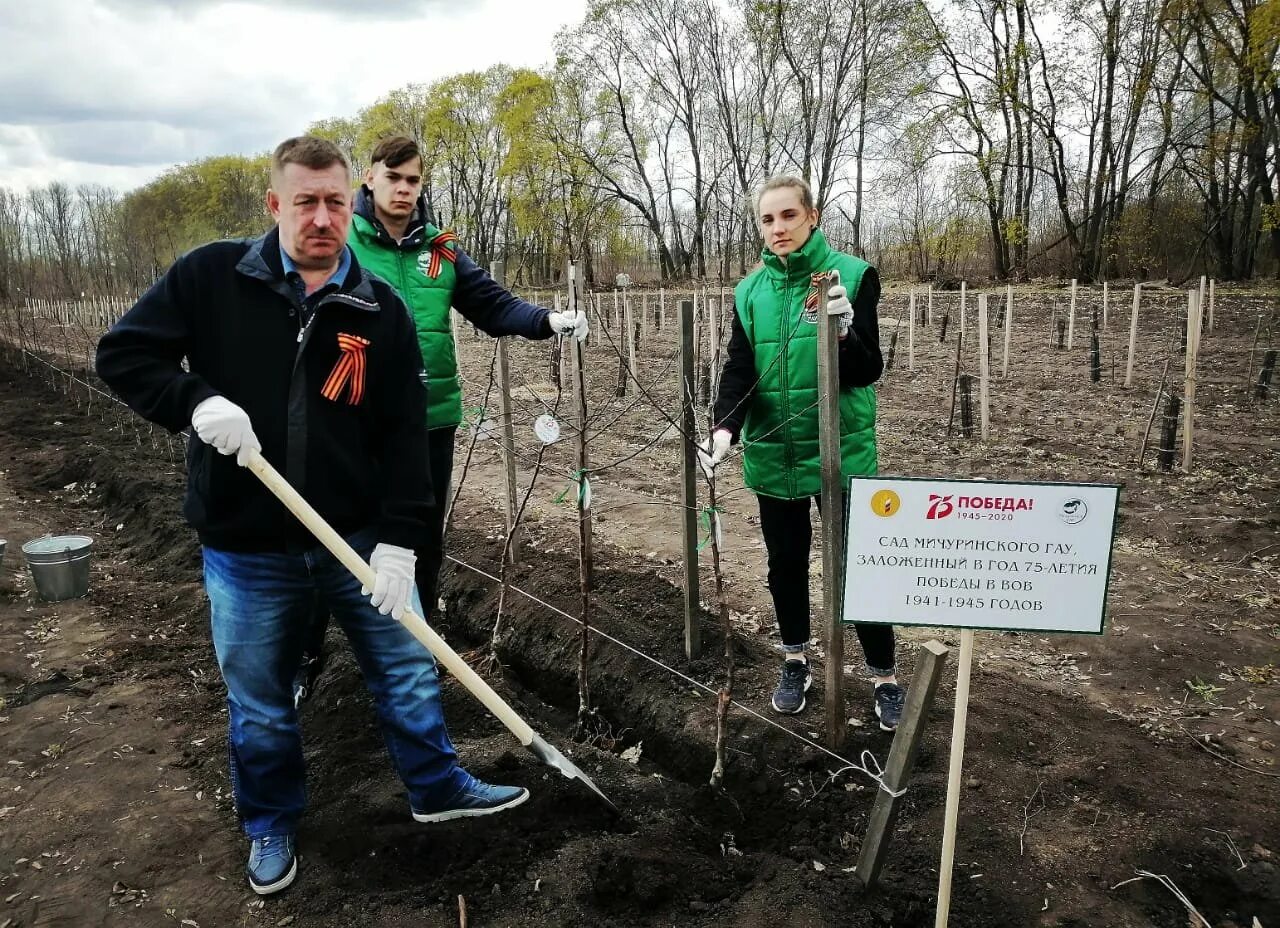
782 181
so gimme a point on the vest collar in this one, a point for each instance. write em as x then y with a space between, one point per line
809 258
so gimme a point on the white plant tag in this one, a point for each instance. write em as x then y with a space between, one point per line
547 429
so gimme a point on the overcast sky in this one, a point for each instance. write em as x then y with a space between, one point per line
115 91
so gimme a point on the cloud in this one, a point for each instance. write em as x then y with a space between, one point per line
109 87
382 9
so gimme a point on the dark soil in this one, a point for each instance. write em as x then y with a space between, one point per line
114 800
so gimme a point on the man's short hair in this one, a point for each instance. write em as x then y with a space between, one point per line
395 151
310 151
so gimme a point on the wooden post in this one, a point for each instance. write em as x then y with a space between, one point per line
628 319
1253 350
662 308
1071 317
911 332
1133 335
689 486
1106 302
962 303
586 554
930 305
1189 400
954 770
1202 301
832 514
1211 302
714 374
902 757
1008 330
984 368
499 274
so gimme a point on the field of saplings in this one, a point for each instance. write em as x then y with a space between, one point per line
1128 779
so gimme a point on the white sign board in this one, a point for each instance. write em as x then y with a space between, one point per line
979 554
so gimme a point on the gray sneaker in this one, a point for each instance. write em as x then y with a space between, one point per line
890 699
796 679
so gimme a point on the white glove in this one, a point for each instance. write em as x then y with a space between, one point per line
713 450
838 305
223 424
574 323
393 579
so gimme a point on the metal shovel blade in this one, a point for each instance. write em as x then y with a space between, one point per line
553 758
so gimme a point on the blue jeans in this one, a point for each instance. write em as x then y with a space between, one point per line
260 605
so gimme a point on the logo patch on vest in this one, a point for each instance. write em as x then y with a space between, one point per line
348 373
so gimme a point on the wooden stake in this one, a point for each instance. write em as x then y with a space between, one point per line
1008 330
1071 318
1203 299
962 306
1106 302
931 305
955 383
902 757
689 485
1142 448
1133 334
586 555
1189 397
958 723
499 274
1253 350
628 314
984 369
911 332
832 514
1211 302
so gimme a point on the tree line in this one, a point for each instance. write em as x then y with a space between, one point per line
944 139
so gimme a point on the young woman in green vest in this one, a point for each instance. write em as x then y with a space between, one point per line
392 235
768 397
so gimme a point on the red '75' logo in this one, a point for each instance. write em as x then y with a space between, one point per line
939 506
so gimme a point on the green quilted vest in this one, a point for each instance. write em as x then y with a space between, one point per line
780 436
429 299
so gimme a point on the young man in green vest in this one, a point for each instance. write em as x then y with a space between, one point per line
392 236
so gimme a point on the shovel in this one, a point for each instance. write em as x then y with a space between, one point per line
418 627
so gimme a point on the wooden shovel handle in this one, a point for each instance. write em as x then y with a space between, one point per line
416 625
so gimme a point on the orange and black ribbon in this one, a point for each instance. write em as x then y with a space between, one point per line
440 251
811 298
349 371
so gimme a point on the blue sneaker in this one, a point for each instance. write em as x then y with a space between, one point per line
272 864
475 798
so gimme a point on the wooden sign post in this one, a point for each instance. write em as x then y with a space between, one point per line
920 552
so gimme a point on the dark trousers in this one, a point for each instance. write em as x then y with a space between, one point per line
430 555
788 536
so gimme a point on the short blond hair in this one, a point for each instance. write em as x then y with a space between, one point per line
783 181
310 151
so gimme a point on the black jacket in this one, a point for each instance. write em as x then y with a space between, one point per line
347 435
861 363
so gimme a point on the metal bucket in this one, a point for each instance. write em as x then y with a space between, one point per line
60 565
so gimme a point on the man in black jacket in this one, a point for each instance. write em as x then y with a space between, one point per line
293 350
